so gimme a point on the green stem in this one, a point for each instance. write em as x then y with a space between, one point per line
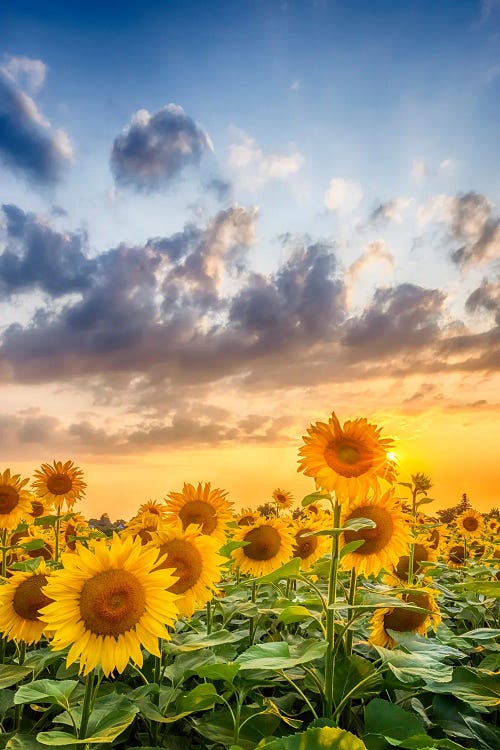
87 705
299 691
209 618
253 619
352 596
349 695
330 616
4 553
57 527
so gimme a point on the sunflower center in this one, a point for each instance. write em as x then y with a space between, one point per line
187 562
281 499
9 498
264 543
305 546
112 602
37 509
70 532
29 598
419 555
434 538
348 457
457 554
59 484
470 523
405 621
246 521
375 539
200 513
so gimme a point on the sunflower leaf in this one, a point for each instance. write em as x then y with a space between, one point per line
11 674
289 570
314 497
53 692
356 524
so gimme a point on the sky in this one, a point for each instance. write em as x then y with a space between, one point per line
222 221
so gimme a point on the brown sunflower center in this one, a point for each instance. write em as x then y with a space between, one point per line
112 602
305 546
187 562
144 536
470 523
348 457
375 539
420 554
201 513
280 498
9 498
69 533
246 521
434 538
59 484
456 554
29 598
264 543
37 509
44 552
405 621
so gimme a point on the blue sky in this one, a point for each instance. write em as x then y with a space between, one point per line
328 194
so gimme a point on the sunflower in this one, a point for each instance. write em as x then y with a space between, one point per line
203 507
194 559
269 545
76 526
384 544
309 548
492 525
40 508
348 459
21 599
58 483
283 499
15 501
435 537
422 553
108 602
455 555
470 523
247 517
405 620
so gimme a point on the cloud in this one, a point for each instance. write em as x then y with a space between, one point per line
28 143
473 223
155 148
485 298
39 257
374 252
254 168
26 72
220 188
421 169
343 196
391 210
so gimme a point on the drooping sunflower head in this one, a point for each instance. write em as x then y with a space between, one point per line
21 599
382 545
15 500
108 602
348 459
40 508
404 620
455 555
59 483
75 527
268 545
422 553
201 506
470 523
308 548
436 537
194 559
283 499
247 517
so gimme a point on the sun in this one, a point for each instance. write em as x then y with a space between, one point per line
107 603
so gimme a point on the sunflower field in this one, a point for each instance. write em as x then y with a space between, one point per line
354 621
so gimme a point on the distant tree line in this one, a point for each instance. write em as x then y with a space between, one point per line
105 524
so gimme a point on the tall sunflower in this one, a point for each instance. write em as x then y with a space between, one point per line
308 548
405 620
21 599
58 483
15 501
470 523
283 499
268 545
108 602
201 506
348 459
383 545
194 560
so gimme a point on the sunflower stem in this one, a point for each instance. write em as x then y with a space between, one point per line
330 616
57 527
352 596
87 704
4 553
209 618
253 619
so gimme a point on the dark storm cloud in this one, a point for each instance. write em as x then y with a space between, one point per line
28 145
475 226
400 318
155 148
37 256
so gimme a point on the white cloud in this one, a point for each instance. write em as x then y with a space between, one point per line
422 170
343 196
27 72
254 168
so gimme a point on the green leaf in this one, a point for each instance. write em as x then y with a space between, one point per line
391 721
481 634
195 641
289 570
24 742
11 674
219 671
279 655
351 547
477 687
230 546
356 524
314 497
294 613
53 692
200 698
487 588
415 667
348 674
319 738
